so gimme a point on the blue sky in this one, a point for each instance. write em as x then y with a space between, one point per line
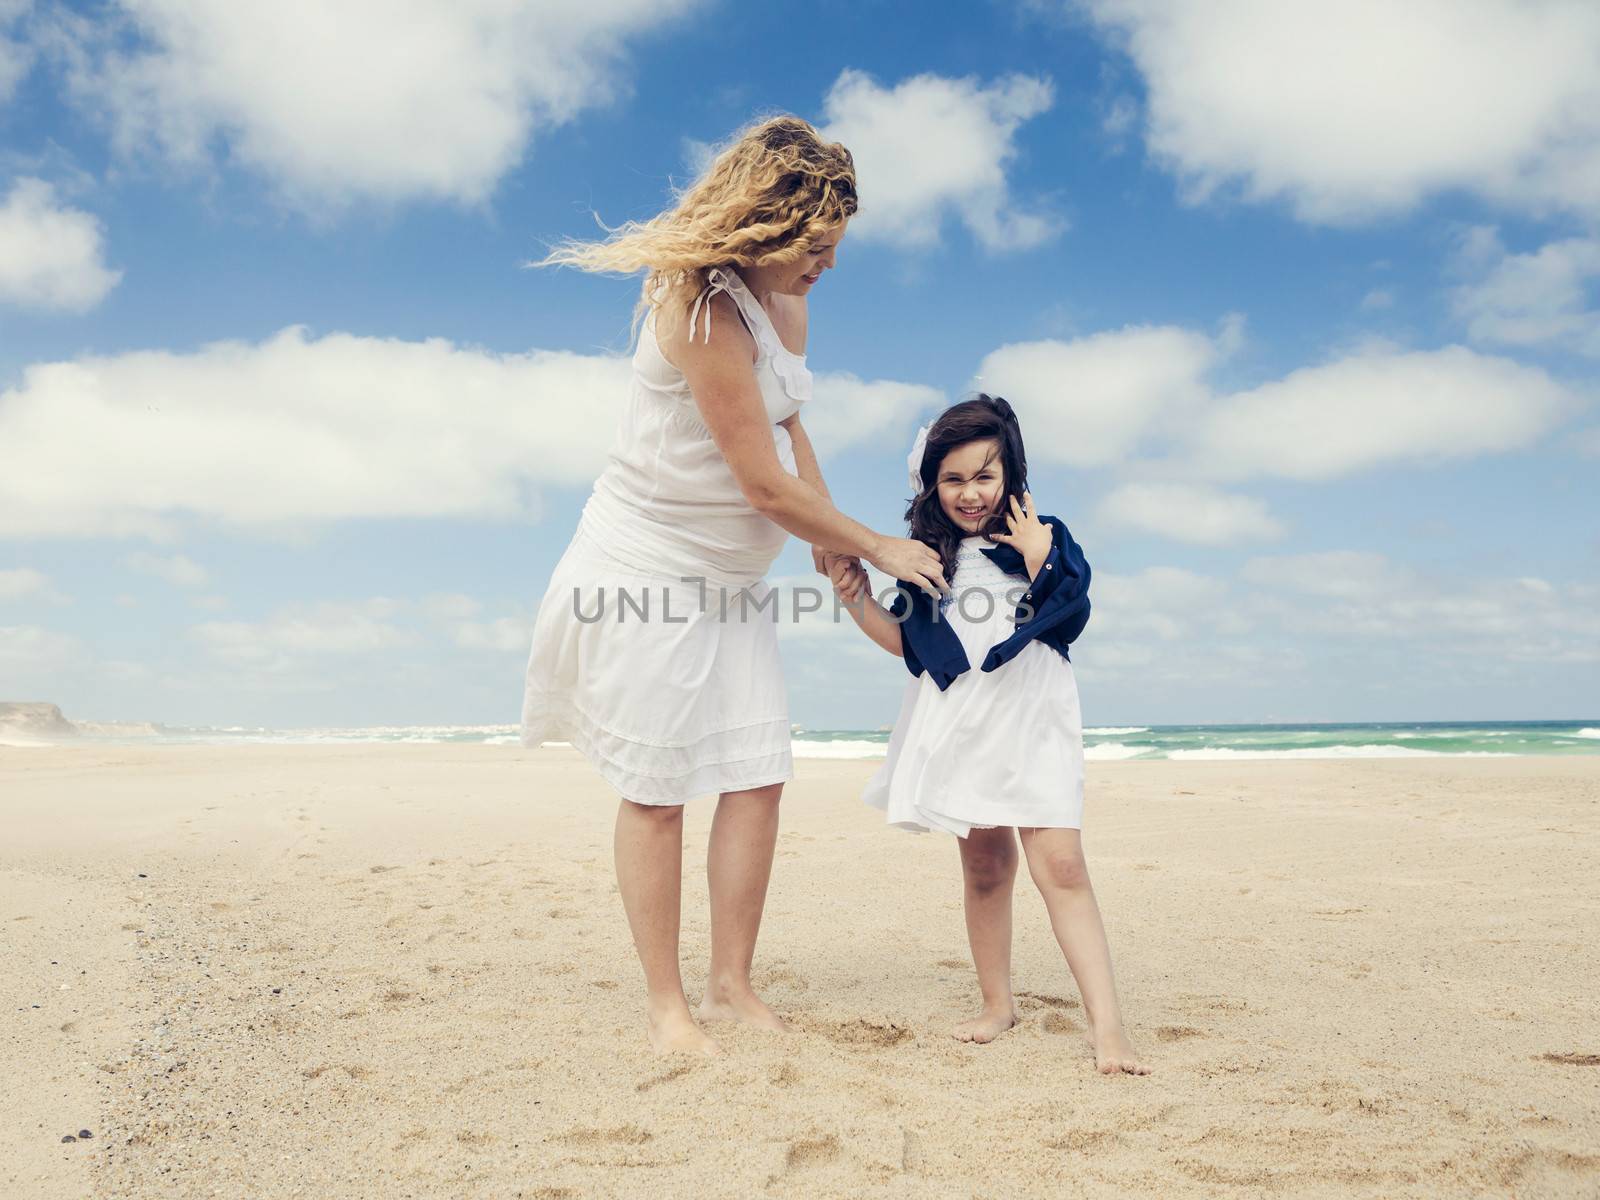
1299 311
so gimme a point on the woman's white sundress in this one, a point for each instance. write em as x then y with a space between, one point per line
1001 747
668 697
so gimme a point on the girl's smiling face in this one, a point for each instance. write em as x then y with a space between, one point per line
972 484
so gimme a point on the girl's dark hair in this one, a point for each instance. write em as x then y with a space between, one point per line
970 421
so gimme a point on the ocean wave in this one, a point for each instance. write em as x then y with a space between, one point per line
1112 730
1588 733
840 749
1113 752
1225 753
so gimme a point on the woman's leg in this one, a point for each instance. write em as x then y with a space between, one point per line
988 870
1055 860
649 853
744 833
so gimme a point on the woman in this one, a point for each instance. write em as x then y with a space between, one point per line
644 655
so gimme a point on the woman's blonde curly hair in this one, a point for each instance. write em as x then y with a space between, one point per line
773 191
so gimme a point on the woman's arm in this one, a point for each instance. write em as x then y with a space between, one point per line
805 456
851 585
810 471
720 376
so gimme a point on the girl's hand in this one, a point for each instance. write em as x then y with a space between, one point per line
820 559
850 581
1028 536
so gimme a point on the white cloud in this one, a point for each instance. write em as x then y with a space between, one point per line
31 652
19 582
15 56
1189 513
930 148
1377 299
1349 594
50 256
504 635
1378 408
1107 398
1587 442
1365 107
298 430
1153 601
451 606
846 410
285 640
359 99
176 569
1089 402
1537 299
1339 574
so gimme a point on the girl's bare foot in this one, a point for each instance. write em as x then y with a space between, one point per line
1113 1053
672 1030
738 1002
986 1026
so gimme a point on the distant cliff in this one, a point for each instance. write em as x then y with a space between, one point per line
29 722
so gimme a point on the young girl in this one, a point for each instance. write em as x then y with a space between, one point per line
989 741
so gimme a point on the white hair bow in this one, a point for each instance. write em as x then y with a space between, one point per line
914 460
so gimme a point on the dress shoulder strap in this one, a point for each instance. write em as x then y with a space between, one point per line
725 280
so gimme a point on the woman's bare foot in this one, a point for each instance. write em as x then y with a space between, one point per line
738 1002
986 1026
1113 1053
672 1030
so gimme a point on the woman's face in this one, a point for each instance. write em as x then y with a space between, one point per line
799 277
972 484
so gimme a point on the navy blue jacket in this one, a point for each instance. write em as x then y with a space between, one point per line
1053 610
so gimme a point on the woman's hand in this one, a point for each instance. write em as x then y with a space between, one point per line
916 563
1028 536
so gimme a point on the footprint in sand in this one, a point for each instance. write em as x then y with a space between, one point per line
354 1071
1035 999
1571 1060
622 1135
952 964
1056 1022
781 977
783 1075
1177 1033
811 1152
1085 1140
860 1034
655 1081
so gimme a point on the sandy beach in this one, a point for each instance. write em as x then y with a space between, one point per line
404 971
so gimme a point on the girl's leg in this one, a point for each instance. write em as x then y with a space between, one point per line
744 833
649 853
1055 860
988 870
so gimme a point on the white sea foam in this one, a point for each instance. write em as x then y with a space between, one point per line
1112 730
1112 752
1589 733
1222 752
806 749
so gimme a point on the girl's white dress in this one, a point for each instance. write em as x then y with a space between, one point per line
1002 747
678 700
